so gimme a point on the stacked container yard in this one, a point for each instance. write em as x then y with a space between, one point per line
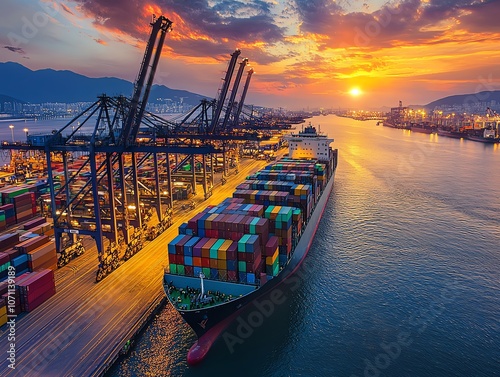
33 223
9 214
7 241
36 288
4 265
3 312
25 206
10 192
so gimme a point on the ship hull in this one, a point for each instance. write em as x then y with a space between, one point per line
452 134
422 130
208 323
485 140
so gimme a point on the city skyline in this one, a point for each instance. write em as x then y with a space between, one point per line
305 54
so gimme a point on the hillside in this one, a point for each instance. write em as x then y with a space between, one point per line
466 99
48 85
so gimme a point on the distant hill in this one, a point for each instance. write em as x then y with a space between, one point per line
468 99
48 85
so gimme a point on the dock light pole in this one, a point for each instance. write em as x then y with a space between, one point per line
26 132
11 126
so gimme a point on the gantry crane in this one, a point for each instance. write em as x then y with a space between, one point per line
124 160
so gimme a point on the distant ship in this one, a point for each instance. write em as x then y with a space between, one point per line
423 129
452 134
229 255
488 136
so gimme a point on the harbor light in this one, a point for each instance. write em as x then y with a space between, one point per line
26 131
11 126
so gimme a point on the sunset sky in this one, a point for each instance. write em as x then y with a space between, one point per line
305 53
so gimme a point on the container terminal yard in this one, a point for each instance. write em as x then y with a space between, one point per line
83 250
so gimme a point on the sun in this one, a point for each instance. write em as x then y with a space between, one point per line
355 92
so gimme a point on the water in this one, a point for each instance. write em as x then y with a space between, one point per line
402 278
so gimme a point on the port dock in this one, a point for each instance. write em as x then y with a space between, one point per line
83 328
117 177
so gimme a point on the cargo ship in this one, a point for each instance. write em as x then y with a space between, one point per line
229 255
487 136
451 133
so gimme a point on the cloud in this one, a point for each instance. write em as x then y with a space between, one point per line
100 41
66 9
407 22
19 50
199 29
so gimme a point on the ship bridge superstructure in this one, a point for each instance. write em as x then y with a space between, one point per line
309 144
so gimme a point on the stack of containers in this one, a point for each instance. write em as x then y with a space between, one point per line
3 223
9 193
3 313
43 229
7 241
12 252
43 257
17 298
272 260
229 226
25 206
39 252
36 289
10 214
176 254
4 265
215 258
33 223
249 259
281 226
300 194
20 263
264 197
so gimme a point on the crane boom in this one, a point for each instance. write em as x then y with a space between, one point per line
243 96
138 104
223 93
236 84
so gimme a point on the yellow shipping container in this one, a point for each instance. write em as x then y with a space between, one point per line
225 245
270 260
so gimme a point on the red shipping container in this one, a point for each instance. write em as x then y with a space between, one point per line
4 258
205 262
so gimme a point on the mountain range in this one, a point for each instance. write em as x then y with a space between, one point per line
466 99
48 85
